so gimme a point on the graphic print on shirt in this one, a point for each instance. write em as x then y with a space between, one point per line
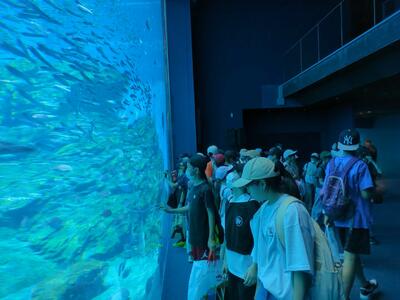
238 221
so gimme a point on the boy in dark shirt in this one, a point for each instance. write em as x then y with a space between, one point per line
205 232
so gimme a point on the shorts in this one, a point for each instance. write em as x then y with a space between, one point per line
355 241
236 290
204 277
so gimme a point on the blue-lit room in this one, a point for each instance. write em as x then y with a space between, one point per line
199 149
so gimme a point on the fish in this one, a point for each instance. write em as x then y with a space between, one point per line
13 50
23 48
18 74
79 39
12 4
48 2
60 79
85 9
126 273
63 168
8 81
41 13
62 87
10 148
40 57
72 13
43 116
84 186
106 213
32 34
27 96
70 77
87 23
83 74
7 28
121 267
48 51
55 223
96 35
102 53
148 24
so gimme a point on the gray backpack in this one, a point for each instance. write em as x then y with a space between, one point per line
327 281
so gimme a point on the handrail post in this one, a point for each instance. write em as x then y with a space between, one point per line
319 55
341 23
374 3
301 55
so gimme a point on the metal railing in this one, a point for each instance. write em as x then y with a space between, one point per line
344 22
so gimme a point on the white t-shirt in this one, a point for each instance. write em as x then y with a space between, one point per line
276 263
225 194
238 263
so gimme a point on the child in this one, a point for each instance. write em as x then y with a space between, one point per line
283 272
205 232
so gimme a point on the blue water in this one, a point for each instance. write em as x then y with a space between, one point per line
83 146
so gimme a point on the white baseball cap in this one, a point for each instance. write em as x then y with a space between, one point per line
222 171
212 149
288 152
231 178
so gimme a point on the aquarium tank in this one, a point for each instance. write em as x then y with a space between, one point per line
84 144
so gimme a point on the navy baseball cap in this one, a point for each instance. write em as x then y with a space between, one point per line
349 140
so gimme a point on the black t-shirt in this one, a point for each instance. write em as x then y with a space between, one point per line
182 187
200 198
237 226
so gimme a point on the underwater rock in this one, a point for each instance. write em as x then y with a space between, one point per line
128 253
122 294
83 280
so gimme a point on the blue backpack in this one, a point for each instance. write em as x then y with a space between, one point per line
336 203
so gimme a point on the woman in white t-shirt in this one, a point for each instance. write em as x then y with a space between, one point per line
283 272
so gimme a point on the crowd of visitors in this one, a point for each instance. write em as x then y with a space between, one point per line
257 225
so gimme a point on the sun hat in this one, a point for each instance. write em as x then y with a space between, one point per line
288 152
252 154
257 168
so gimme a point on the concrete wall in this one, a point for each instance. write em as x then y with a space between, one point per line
181 77
174 269
385 135
308 130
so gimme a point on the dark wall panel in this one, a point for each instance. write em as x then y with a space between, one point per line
238 47
181 77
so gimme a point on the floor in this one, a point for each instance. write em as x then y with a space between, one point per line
383 264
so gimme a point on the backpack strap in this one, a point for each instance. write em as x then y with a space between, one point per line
349 165
280 214
332 166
